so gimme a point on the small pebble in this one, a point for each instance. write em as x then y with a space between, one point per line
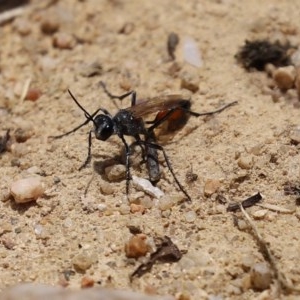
5 228
295 136
233 290
261 276
68 223
22 135
8 243
38 229
242 225
87 282
56 180
190 85
27 189
136 197
35 170
63 40
190 216
147 202
5 194
22 26
256 149
246 282
49 25
166 202
211 186
33 94
106 188
137 208
92 69
124 209
83 261
19 150
115 172
285 77
136 246
245 162
146 186
102 207
260 214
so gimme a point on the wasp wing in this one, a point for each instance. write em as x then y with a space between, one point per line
160 103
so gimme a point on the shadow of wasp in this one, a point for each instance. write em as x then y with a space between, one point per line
130 122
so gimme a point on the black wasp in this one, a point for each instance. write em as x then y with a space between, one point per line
129 122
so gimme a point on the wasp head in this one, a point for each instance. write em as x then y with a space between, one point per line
104 127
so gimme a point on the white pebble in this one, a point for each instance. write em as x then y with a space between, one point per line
102 207
190 216
68 223
146 186
260 214
38 229
191 53
27 189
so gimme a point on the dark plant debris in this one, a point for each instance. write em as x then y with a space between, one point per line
68 273
3 141
292 188
7 5
134 229
221 199
167 252
256 54
246 203
173 40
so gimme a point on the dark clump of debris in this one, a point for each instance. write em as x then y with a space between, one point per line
292 188
167 252
245 203
256 54
173 40
3 141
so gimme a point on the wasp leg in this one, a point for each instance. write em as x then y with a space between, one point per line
128 176
158 147
89 156
121 97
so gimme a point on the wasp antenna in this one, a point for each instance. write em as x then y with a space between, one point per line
87 115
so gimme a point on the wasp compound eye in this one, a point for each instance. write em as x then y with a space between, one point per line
104 127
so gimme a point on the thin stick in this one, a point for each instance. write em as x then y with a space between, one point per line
25 89
7 16
269 256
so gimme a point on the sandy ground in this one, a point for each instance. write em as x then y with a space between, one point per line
41 240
